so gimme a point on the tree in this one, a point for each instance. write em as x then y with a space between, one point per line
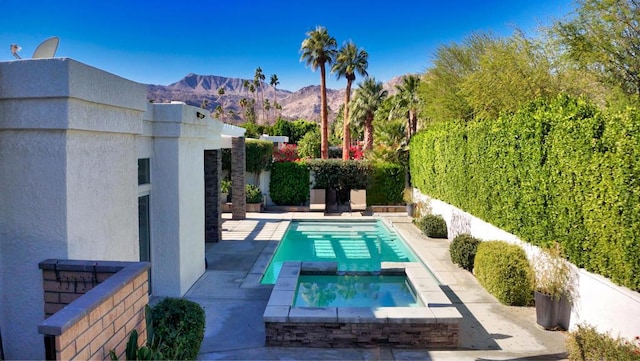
220 100
318 49
244 102
258 78
274 83
349 61
604 37
409 100
366 101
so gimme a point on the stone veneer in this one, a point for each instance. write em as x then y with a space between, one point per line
238 170
434 326
212 204
106 301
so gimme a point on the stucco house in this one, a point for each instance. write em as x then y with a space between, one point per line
91 170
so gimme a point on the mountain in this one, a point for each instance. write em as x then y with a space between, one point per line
195 89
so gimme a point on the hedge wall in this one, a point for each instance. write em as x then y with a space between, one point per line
557 170
289 185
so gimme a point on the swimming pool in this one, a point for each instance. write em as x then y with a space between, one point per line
354 245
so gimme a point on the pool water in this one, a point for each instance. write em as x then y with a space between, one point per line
354 291
355 246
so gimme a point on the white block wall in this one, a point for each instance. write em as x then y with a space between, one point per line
600 303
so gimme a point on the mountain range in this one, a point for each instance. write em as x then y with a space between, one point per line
199 90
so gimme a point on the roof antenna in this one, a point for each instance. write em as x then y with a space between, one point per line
15 48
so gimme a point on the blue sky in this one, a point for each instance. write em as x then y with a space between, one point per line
159 42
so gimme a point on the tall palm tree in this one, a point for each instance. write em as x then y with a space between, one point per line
258 78
243 104
274 83
220 100
409 100
349 61
318 49
366 100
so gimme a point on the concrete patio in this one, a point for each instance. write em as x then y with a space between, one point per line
234 301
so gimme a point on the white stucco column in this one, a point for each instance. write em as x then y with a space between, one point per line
179 134
68 180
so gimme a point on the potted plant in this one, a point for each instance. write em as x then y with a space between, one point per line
407 196
254 198
225 190
555 288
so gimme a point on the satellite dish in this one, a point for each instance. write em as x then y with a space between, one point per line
47 48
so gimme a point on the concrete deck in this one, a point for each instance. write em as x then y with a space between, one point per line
234 302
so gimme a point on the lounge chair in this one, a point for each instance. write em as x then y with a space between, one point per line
358 200
317 200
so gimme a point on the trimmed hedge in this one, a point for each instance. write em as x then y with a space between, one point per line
557 169
178 324
341 175
504 271
386 183
289 184
462 250
257 155
433 226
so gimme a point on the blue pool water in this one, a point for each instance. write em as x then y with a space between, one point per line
355 246
354 291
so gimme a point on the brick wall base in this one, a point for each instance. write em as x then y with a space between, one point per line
362 335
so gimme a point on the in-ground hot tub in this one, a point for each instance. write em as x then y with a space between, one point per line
430 322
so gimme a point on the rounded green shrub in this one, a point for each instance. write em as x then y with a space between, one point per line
504 271
462 250
433 226
253 194
179 326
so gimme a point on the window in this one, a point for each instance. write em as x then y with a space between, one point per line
144 173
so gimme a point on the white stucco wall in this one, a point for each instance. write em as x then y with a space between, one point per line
600 303
32 228
102 191
67 138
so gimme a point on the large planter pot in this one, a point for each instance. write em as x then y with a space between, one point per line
254 207
223 197
411 209
552 314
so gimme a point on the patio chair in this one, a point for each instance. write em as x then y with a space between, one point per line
358 200
317 200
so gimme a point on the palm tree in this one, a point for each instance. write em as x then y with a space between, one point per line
243 104
367 99
349 61
258 78
220 100
318 49
274 83
409 100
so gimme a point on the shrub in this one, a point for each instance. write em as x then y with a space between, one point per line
179 325
286 153
289 184
386 184
225 186
462 250
585 343
257 155
433 226
309 145
340 175
253 194
504 271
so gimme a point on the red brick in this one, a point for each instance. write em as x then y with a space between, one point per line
67 298
53 297
99 312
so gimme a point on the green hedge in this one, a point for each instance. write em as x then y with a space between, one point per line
178 325
556 170
257 155
289 185
386 183
504 271
341 175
